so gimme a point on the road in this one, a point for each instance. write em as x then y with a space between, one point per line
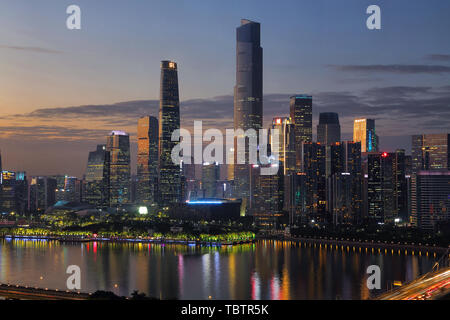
32 293
429 287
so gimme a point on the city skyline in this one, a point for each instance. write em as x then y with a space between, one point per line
34 138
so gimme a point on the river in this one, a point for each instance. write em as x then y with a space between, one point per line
267 269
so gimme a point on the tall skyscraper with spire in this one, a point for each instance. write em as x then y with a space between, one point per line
248 97
147 160
169 120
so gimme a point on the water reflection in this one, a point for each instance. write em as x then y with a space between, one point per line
264 270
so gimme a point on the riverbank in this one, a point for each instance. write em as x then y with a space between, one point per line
141 240
344 242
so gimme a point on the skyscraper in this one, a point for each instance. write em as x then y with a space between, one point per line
147 160
430 201
401 185
301 116
210 176
118 145
96 191
41 194
430 152
286 144
248 97
313 165
381 187
344 184
364 132
169 120
328 129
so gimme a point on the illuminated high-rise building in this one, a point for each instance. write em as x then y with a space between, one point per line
328 129
118 146
430 200
301 116
314 167
41 194
248 98
147 160
210 176
344 182
286 143
169 121
430 152
96 190
13 197
400 185
381 187
364 132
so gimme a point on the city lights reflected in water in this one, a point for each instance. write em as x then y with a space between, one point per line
263 270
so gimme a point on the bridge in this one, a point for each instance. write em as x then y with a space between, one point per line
434 285
9 291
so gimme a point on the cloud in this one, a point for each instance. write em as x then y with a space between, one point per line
396 108
438 57
30 49
393 68
40 132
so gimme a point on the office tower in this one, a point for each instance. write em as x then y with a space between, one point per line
400 185
344 182
381 187
118 146
430 201
430 152
328 129
248 99
192 188
210 176
13 197
41 194
67 188
269 198
147 160
314 167
286 144
59 192
96 190
301 116
364 132
169 121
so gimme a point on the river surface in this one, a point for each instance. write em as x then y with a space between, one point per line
266 269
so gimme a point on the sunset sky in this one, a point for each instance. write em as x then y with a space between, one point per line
62 91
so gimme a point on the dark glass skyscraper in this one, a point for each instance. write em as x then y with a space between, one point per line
118 145
96 190
169 120
328 129
248 96
301 117
147 160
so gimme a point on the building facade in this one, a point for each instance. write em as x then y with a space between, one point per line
248 100
169 121
118 146
147 160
